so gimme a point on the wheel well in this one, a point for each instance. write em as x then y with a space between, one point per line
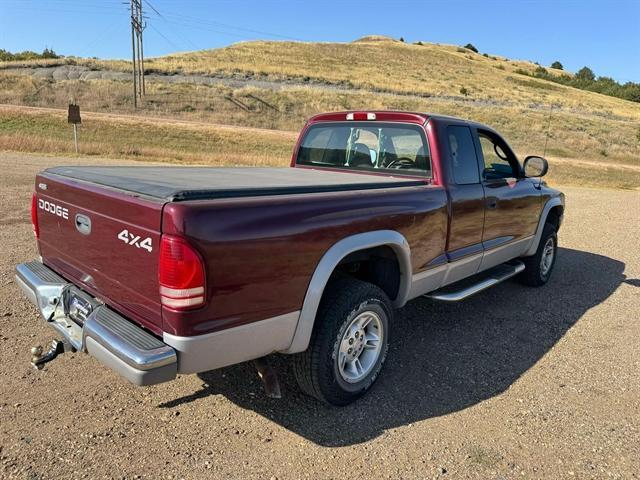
377 265
553 217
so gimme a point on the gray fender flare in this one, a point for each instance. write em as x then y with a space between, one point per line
553 202
327 265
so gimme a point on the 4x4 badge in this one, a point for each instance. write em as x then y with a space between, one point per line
132 239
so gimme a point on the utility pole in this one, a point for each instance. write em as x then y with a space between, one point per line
137 52
133 58
141 52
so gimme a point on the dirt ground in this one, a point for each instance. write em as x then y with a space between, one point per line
512 383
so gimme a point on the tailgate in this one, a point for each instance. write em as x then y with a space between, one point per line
105 241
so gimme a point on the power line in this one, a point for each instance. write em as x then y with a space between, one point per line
192 20
106 32
183 37
153 8
173 45
207 29
186 18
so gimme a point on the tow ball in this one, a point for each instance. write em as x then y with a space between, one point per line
38 359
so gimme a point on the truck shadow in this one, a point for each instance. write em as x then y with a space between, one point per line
443 357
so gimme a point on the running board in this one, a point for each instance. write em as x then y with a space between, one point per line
484 280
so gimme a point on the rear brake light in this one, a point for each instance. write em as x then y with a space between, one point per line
180 274
34 215
361 116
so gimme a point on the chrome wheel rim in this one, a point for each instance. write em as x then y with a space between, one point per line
548 253
360 347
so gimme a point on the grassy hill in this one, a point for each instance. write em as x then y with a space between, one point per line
395 67
279 84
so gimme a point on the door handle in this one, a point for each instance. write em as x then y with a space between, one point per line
492 202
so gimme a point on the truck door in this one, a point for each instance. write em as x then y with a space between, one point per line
467 209
512 202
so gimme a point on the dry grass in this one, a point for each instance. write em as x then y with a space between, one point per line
573 135
46 132
115 136
591 135
396 67
379 64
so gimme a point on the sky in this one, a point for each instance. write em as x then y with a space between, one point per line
603 35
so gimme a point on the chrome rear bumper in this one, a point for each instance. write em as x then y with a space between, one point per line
116 342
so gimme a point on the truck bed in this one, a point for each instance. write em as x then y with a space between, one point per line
198 183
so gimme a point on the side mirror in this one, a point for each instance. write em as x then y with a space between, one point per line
535 166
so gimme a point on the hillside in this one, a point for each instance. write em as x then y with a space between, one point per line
279 84
391 66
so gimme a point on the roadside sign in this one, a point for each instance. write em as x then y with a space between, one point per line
74 117
74 114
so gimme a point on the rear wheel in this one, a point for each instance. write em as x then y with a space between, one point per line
539 266
349 344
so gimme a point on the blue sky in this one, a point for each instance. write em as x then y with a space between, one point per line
604 35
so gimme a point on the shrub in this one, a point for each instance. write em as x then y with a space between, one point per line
49 53
557 65
461 50
485 55
638 135
402 39
464 91
469 46
586 74
540 71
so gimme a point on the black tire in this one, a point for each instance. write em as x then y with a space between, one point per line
316 369
535 275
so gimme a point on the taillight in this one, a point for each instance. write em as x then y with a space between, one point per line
181 274
34 215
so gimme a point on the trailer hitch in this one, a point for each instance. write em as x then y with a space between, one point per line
38 359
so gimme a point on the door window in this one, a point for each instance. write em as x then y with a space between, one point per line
498 161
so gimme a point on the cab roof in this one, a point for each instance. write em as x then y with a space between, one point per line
390 116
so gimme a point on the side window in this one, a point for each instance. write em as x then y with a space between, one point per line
496 160
463 155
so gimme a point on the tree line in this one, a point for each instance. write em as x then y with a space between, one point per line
7 56
586 79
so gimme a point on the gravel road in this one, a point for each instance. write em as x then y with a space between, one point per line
513 383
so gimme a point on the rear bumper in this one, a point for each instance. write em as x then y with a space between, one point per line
117 343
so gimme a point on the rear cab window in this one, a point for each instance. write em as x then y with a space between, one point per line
400 149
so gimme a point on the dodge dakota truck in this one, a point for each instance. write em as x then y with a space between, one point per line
159 271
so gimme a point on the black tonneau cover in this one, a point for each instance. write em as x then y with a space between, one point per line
197 183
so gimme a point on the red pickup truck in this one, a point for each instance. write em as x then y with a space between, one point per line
156 271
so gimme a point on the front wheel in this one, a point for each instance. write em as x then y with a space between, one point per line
538 267
349 343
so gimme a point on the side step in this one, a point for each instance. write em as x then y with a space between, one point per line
479 282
